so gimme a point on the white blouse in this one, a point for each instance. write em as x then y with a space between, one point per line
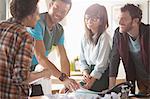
95 55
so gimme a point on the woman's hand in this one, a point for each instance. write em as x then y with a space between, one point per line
86 76
89 83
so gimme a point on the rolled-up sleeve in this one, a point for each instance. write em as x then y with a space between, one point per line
82 61
37 31
61 40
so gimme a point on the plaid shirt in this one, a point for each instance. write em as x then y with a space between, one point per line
16 48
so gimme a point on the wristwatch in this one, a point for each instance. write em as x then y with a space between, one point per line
63 76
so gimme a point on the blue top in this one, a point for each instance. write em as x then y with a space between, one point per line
134 48
50 37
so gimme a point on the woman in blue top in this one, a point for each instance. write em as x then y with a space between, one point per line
95 49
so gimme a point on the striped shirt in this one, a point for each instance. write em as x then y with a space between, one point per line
16 48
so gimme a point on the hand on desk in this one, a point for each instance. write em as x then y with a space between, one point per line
86 76
89 83
71 84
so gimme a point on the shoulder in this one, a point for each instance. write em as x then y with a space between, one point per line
145 25
41 21
144 28
117 34
107 37
59 30
16 29
117 31
42 15
84 40
105 34
23 33
104 37
59 27
12 27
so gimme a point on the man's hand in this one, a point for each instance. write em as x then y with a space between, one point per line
112 82
71 84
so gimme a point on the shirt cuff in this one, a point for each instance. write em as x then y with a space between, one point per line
84 67
96 74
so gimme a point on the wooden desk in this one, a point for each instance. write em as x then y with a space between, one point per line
45 97
138 98
39 97
57 84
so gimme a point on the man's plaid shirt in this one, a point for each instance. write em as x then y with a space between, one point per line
16 50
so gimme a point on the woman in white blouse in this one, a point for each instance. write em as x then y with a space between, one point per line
95 49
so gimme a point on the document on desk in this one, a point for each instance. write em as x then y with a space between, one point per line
74 96
85 91
78 94
83 94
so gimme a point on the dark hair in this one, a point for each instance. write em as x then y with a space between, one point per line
134 11
20 9
65 1
96 10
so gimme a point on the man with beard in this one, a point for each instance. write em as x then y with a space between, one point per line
131 44
48 32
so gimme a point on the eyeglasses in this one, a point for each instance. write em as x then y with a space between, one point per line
92 18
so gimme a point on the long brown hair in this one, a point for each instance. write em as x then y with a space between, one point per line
96 10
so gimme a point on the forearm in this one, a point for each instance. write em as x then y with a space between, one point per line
65 66
43 60
112 82
33 76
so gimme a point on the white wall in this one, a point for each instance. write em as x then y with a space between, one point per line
148 5
74 28
2 10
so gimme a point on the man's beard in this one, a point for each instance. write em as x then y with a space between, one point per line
126 29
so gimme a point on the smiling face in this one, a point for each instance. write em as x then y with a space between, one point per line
92 22
92 18
96 22
125 22
58 10
95 18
